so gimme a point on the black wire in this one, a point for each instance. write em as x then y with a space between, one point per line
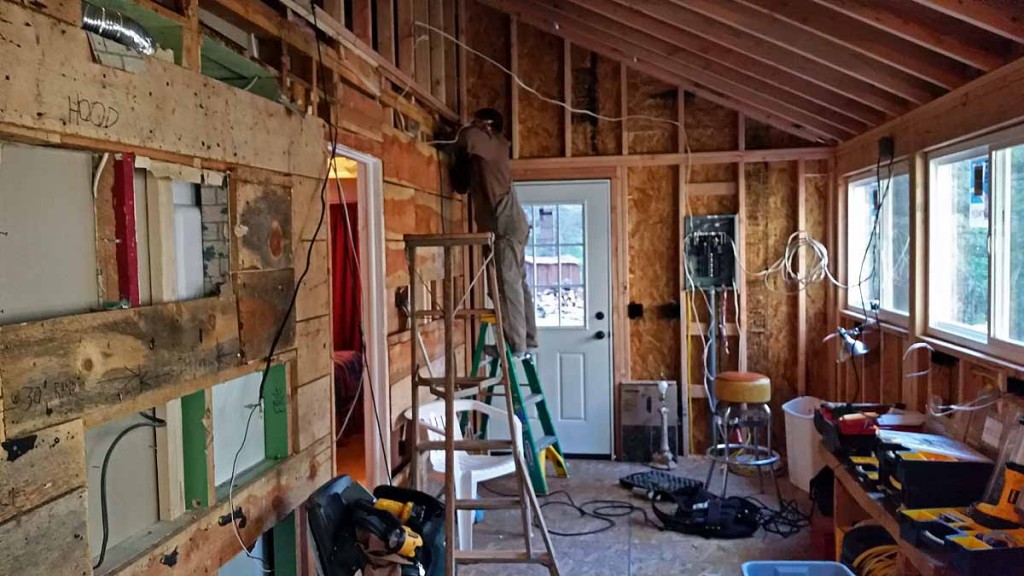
333 131
152 422
787 521
602 510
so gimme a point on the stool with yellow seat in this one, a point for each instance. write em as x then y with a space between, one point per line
742 427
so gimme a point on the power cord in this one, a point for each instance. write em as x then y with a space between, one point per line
151 422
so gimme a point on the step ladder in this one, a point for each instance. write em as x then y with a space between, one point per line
539 449
447 387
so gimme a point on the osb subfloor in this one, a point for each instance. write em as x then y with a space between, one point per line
632 547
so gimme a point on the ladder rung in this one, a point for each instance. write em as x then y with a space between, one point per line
464 313
545 441
468 445
503 503
500 557
532 399
432 240
460 383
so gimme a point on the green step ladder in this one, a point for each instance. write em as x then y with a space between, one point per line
537 450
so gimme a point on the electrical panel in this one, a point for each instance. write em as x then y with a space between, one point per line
709 251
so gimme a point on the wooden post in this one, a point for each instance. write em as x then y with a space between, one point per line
124 229
567 97
514 67
801 297
917 324
362 21
741 239
406 37
831 291
449 406
438 86
682 209
421 43
624 106
463 64
191 37
414 433
386 29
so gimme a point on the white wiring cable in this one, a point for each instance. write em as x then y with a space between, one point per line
980 403
911 348
533 91
787 267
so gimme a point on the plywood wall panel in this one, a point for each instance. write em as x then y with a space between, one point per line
710 127
653 271
819 354
653 98
760 136
596 87
487 31
771 317
541 67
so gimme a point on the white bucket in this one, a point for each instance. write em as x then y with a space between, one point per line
803 444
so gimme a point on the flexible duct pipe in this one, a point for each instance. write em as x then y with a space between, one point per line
115 26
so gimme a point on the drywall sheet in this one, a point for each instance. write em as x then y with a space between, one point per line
232 403
47 233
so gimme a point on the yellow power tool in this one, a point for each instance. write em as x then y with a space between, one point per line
1006 508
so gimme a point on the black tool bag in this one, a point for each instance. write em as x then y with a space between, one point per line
705 514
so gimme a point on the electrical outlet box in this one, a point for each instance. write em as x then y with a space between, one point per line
710 255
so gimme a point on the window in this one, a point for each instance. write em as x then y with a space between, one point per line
878 263
959 229
555 263
976 242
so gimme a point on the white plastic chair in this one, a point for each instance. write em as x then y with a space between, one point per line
470 469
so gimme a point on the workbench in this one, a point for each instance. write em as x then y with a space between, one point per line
853 503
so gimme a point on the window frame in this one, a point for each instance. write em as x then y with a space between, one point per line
989 342
888 315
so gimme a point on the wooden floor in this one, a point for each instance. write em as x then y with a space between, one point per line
632 547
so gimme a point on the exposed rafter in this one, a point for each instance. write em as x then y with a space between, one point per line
1006 21
689 43
885 18
708 72
770 53
883 47
783 33
637 59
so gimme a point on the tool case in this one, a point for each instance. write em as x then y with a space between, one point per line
849 429
927 470
971 549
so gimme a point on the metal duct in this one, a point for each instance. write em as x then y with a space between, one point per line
115 26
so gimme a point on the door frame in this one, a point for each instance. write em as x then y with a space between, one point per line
370 207
619 242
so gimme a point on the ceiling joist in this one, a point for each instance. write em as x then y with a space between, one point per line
1006 21
886 18
544 18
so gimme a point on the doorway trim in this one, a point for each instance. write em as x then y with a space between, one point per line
370 206
619 241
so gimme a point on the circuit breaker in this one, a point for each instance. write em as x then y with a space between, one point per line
709 249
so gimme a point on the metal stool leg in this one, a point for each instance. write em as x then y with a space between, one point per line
714 442
771 468
728 450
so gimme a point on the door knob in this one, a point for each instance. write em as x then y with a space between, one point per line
600 335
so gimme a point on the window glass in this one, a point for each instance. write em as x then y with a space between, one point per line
895 281
860 270
959 230
555 257
1009 243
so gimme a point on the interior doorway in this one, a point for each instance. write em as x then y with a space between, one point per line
358 335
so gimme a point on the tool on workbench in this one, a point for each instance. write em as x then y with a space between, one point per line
1006 511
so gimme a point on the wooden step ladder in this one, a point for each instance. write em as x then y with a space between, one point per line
539 448
447 388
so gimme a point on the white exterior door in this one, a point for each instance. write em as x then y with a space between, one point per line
568 261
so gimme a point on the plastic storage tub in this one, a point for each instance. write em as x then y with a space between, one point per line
803 444
795 569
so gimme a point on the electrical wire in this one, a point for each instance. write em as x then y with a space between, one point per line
906 353
877 561
980 403
279 332
151 422
533 91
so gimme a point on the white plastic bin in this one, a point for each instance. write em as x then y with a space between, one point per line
803 444
795 569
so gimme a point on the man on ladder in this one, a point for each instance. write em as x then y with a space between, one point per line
482 169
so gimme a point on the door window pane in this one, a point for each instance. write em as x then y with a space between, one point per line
959 231
555 260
